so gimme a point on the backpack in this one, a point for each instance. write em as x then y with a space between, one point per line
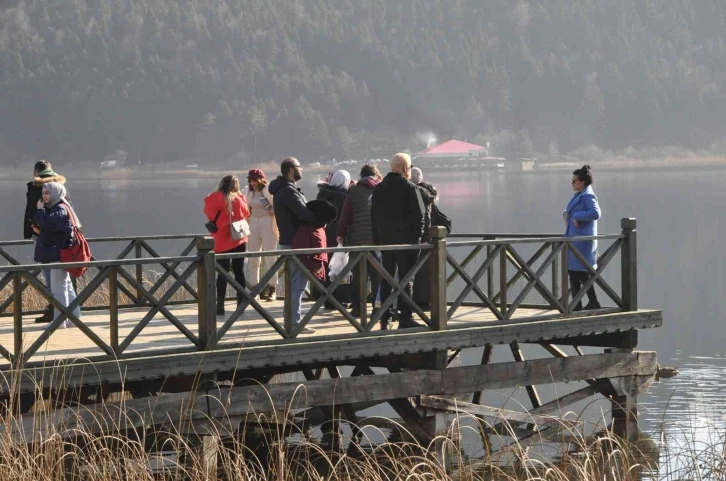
438 218
79 250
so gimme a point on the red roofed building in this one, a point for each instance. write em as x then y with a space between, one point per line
452 148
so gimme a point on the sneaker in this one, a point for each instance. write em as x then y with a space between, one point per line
271 294
307 330
592 306
355 312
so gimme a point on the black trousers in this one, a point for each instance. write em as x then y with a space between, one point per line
373 275
237 267
577 279
403 262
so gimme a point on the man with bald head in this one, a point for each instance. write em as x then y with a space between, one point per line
397 217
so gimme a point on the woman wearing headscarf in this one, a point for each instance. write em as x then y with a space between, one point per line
335 191
227 205
54 225
581 217
429 195
263 229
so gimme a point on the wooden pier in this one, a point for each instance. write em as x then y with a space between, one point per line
149 328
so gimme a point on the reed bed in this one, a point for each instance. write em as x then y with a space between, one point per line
292 445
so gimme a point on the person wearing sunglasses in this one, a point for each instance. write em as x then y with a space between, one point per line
581 216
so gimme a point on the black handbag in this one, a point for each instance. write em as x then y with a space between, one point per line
438 218
212 224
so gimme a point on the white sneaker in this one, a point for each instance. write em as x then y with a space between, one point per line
67 323
307 330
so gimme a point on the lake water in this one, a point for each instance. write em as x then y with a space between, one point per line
681 267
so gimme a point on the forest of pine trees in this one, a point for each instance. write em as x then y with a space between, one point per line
220 80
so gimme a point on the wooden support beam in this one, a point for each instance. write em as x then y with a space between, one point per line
531 390
290 355
255 398
452 405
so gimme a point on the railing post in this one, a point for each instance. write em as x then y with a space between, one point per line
437 279
565 279
287 306
207 299
629 264
113 308
139 272
18 318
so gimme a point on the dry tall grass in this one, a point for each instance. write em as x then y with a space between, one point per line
291 445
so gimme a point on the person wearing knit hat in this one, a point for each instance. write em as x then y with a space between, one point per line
42 174
263 230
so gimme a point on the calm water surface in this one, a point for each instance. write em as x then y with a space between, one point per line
681 265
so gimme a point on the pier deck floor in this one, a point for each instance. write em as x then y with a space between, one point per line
162 334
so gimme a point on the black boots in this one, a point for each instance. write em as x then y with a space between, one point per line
47 315
220 306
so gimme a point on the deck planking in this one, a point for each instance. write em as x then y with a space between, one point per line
71 343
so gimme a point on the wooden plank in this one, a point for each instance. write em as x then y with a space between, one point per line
342 349
279 397
452 405
629 263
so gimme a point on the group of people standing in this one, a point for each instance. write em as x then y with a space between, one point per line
374 210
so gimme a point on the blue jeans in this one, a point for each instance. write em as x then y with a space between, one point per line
299 283
62 289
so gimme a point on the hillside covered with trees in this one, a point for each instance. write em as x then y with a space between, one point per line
219 80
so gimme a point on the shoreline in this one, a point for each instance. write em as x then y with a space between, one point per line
271 169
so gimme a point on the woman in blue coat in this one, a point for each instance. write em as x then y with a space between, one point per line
581 217
55 231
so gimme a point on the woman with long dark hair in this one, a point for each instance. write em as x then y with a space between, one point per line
227 205
581 217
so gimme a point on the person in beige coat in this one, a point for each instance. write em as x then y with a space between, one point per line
263 228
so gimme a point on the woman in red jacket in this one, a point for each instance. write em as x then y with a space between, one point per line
227 204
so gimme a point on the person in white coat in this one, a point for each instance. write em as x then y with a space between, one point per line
263 227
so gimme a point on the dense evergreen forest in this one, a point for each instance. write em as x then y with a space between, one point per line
229 80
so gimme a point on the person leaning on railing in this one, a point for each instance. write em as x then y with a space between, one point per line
263 229
581 217
227 205
53 224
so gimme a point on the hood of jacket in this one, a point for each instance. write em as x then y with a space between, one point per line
331 189
39 181
369 182
277 184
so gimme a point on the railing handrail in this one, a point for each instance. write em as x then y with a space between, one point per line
532 240
305 252
111 239
100 264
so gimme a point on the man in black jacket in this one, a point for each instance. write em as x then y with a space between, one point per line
290 211
42 173
397 216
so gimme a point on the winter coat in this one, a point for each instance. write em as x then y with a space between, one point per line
585 209
266 194
310 237
215 203
354 223
335 196
397 211
34 194
56 233
429 195
290 211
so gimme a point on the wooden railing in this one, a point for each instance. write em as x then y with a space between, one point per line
497 273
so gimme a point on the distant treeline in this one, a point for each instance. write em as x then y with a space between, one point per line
236 79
